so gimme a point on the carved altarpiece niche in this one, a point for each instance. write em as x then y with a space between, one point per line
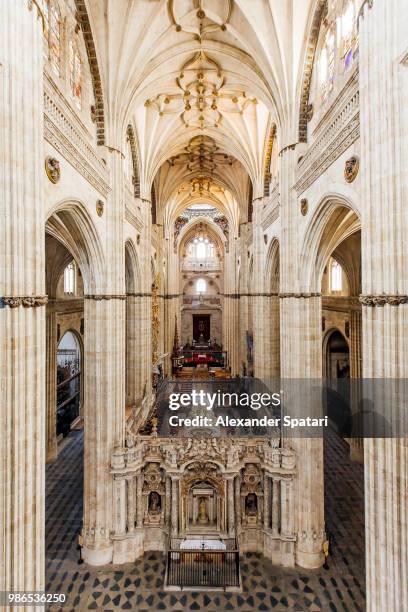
236 489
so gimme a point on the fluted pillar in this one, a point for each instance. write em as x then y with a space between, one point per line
51 382
356 363
230 507
120 507
131 503
132 350
301 358
174 506
167 507
384 180
260 301
237 503
22 300
275 505
104 405
266 500
139 510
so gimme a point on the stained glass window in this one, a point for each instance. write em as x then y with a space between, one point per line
326 65
52 35
75 73
348 33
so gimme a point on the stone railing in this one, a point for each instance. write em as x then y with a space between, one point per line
335 132
64 130
270 211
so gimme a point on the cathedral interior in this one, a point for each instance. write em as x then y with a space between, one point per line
202 194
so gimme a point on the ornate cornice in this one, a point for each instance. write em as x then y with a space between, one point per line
299 295
382 300
105 296
28 301
138 295
290 147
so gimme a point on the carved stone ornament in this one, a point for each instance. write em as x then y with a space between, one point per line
99 208
351 168
28 301
382 300
304 206
52 169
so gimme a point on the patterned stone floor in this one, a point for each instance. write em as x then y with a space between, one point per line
338 586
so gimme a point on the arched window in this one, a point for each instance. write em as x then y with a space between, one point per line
52 35
70 279
336 276
75 73
326 63
201 285
348 33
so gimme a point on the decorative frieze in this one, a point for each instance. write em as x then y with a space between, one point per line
299 295
382 300
27 301
105 296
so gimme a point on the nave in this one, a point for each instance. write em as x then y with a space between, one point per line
338 586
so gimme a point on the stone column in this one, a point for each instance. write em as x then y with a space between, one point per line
356 444
266 500
286 508
104 405
145 340
230 504
131 504
168 502
237 491
384 183
119 495
275 505
22 299
51 382
259 300
139 503
301 358
132 350
174 505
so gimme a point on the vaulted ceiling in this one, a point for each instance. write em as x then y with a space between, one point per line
202 82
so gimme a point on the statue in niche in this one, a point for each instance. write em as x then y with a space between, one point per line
251 504
202 511
154 503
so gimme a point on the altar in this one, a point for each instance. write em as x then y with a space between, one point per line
202 544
